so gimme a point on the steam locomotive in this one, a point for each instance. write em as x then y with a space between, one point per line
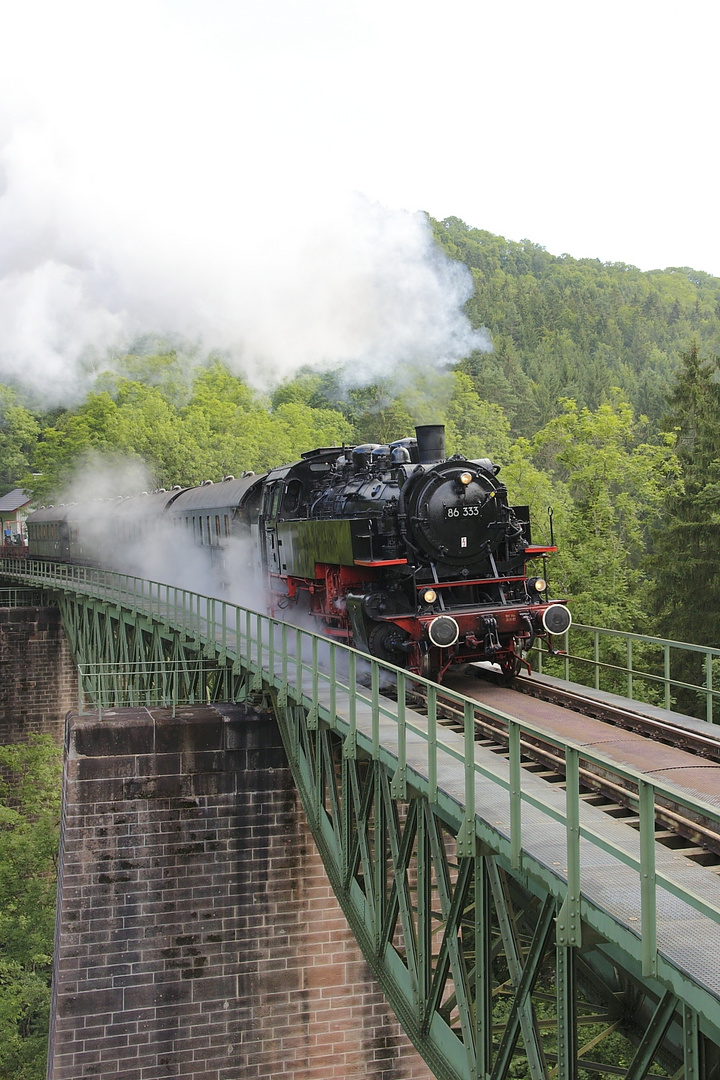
403 553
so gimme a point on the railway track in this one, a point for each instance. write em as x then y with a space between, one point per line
653 743
662 729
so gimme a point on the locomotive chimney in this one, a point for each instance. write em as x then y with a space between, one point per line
430 443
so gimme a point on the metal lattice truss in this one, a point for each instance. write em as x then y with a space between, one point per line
466 952
126 659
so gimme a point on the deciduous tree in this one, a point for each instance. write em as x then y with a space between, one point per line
29 833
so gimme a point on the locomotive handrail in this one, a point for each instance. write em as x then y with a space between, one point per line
286 661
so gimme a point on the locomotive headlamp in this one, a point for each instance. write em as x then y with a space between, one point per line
465 478
537 584
429 596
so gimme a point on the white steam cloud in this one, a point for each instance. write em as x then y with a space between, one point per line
150 188
117 522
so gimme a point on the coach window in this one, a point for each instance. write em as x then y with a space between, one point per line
217 527
200 523
227 525
209 534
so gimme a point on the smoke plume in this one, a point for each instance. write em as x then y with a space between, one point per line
148 191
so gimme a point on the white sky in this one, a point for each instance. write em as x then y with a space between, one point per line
590 128
180 164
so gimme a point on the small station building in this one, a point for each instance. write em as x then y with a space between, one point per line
14 509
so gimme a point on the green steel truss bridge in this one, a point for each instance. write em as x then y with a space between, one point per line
514 930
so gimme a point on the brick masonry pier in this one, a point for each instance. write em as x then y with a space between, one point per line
197 934
38 679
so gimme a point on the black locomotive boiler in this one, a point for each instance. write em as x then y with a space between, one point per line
410 556
413 557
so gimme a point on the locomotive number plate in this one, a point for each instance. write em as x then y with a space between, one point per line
465 511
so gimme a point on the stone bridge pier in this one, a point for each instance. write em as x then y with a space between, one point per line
197 934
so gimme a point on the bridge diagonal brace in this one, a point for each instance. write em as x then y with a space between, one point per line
360 855
654 1034
521 1008
325 764
449 954
452 905
399 900
522 1005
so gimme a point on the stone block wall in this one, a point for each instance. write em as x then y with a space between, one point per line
38 678
198 936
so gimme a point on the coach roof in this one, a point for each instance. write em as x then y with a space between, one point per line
227 493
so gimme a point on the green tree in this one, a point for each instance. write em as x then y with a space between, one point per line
687 560
475 428
19 431
576 327
295 428
164 371
378 414
617 480
226 423
146 427
73 438
29 832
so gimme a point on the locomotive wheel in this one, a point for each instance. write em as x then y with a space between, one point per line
510 665
386 641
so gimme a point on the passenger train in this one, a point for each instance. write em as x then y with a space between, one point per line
398 550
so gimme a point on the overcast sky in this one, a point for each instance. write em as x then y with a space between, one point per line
183 164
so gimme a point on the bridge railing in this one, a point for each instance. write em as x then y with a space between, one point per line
658 671
641 667
15 596
349 691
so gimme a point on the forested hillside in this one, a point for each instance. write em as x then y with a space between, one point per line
578 327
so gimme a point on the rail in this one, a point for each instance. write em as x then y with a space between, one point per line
332 682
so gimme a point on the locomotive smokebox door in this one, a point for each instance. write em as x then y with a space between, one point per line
455 515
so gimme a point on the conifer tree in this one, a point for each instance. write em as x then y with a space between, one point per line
687 556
